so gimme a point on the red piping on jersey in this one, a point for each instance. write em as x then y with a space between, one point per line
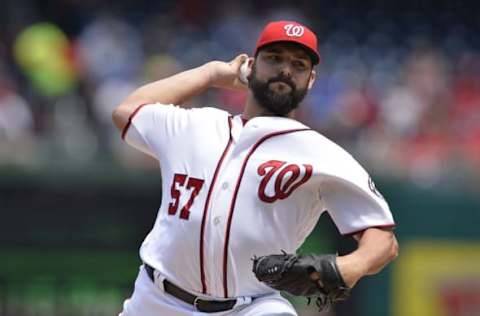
234 198
244 120
130 118
364 229
205 209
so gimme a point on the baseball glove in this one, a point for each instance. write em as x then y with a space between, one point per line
293 274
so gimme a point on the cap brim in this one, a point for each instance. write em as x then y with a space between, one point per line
311 53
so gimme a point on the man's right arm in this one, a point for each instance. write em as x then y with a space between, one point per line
181 87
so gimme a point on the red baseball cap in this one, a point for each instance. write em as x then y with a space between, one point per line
289 31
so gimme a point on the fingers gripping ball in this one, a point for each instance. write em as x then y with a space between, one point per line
292 274
244 72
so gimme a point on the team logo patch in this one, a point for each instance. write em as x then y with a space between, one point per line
294 30
288 177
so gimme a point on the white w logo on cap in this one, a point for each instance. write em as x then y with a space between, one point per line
294 30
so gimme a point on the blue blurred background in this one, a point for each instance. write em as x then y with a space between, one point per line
398 86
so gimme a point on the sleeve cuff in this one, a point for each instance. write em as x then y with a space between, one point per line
130 118
386 226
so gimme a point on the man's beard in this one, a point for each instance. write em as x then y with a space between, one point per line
278 103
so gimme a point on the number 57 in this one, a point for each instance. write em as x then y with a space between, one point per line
180 179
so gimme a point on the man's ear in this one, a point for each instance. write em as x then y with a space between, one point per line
311 80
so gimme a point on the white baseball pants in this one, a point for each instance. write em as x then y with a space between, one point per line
149 299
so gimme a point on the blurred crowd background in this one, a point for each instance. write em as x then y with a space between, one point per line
398 86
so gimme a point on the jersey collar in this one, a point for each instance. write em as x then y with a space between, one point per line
262 125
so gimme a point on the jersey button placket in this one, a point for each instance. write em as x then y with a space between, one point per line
220 208
222 201
219 205
216 237
225 195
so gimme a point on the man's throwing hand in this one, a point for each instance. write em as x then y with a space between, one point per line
227 75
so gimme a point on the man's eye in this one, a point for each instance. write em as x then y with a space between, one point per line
299 65
273 58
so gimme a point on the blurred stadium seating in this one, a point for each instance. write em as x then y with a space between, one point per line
398 86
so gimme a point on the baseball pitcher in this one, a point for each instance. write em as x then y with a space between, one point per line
242 192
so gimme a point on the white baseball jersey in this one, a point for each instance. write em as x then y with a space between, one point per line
232 190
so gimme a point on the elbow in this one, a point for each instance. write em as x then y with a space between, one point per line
123 112
118 119
384 251
390 255
394 248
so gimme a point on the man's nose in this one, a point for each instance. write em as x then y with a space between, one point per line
285 70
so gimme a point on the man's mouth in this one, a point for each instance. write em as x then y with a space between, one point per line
280 86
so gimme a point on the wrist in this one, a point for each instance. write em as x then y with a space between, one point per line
211 73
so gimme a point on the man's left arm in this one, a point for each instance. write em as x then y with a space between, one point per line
376 248
327 277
